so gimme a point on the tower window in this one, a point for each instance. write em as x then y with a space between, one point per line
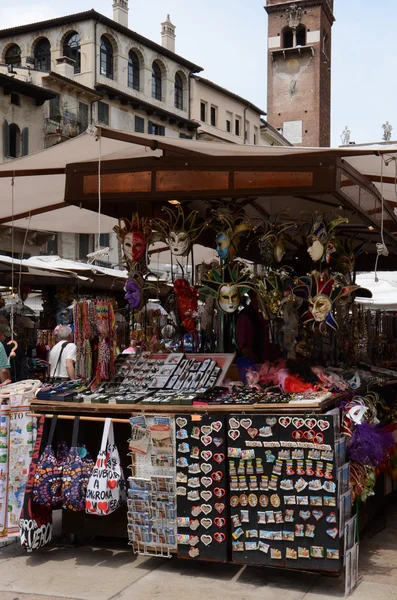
288 38
301 35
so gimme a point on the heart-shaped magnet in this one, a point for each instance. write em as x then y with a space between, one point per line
233 423
331 518
323 425
206 429
271 421
220 522
206 455
217 426
206 495
206 481
219 537
252 432
181 422
317 514
233 433
219 492
217 476
206 523
206 539
298 422
285 421
333 532
310 423
206 440
206 468
219 457
246 423
194 524
304 514
218 441
206 508
219 507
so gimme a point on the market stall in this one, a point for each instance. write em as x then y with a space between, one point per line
238 442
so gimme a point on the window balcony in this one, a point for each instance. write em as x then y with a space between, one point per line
60 126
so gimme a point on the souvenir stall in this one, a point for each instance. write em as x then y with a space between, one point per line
252 469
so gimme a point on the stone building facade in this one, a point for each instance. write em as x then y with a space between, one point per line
101 72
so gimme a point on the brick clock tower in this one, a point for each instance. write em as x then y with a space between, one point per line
299 70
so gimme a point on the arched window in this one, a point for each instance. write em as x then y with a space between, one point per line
178 92
133 71
301 35
106 58
156 82
13 56
15 141
71 49
288 38
42 55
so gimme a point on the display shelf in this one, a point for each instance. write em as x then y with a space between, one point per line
120 409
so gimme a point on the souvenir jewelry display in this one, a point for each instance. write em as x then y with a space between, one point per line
282 488
202 507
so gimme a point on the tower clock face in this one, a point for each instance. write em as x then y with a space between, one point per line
293 66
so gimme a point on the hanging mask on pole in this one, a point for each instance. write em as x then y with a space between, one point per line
272 241
227 286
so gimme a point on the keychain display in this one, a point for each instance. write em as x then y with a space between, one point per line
202 487
284 491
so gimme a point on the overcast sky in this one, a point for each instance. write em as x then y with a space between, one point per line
228 39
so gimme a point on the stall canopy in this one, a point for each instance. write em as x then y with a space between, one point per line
50 269
141 172
383 288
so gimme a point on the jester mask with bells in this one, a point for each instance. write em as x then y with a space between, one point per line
275 289
133 236
228 286
322 238
229 227
322 292
178 231
271 242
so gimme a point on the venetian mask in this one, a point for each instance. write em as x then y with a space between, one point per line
222 245
316 250
134 246
133 236
179 243
266 251
321 306
229 298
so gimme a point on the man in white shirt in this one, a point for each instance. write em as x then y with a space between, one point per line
63 355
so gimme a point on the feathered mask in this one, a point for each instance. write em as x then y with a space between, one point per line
271 242
321 291
322 238
178 231
133 236
347 253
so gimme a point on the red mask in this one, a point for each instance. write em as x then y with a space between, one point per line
134 246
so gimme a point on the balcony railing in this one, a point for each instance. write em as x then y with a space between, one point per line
67 128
